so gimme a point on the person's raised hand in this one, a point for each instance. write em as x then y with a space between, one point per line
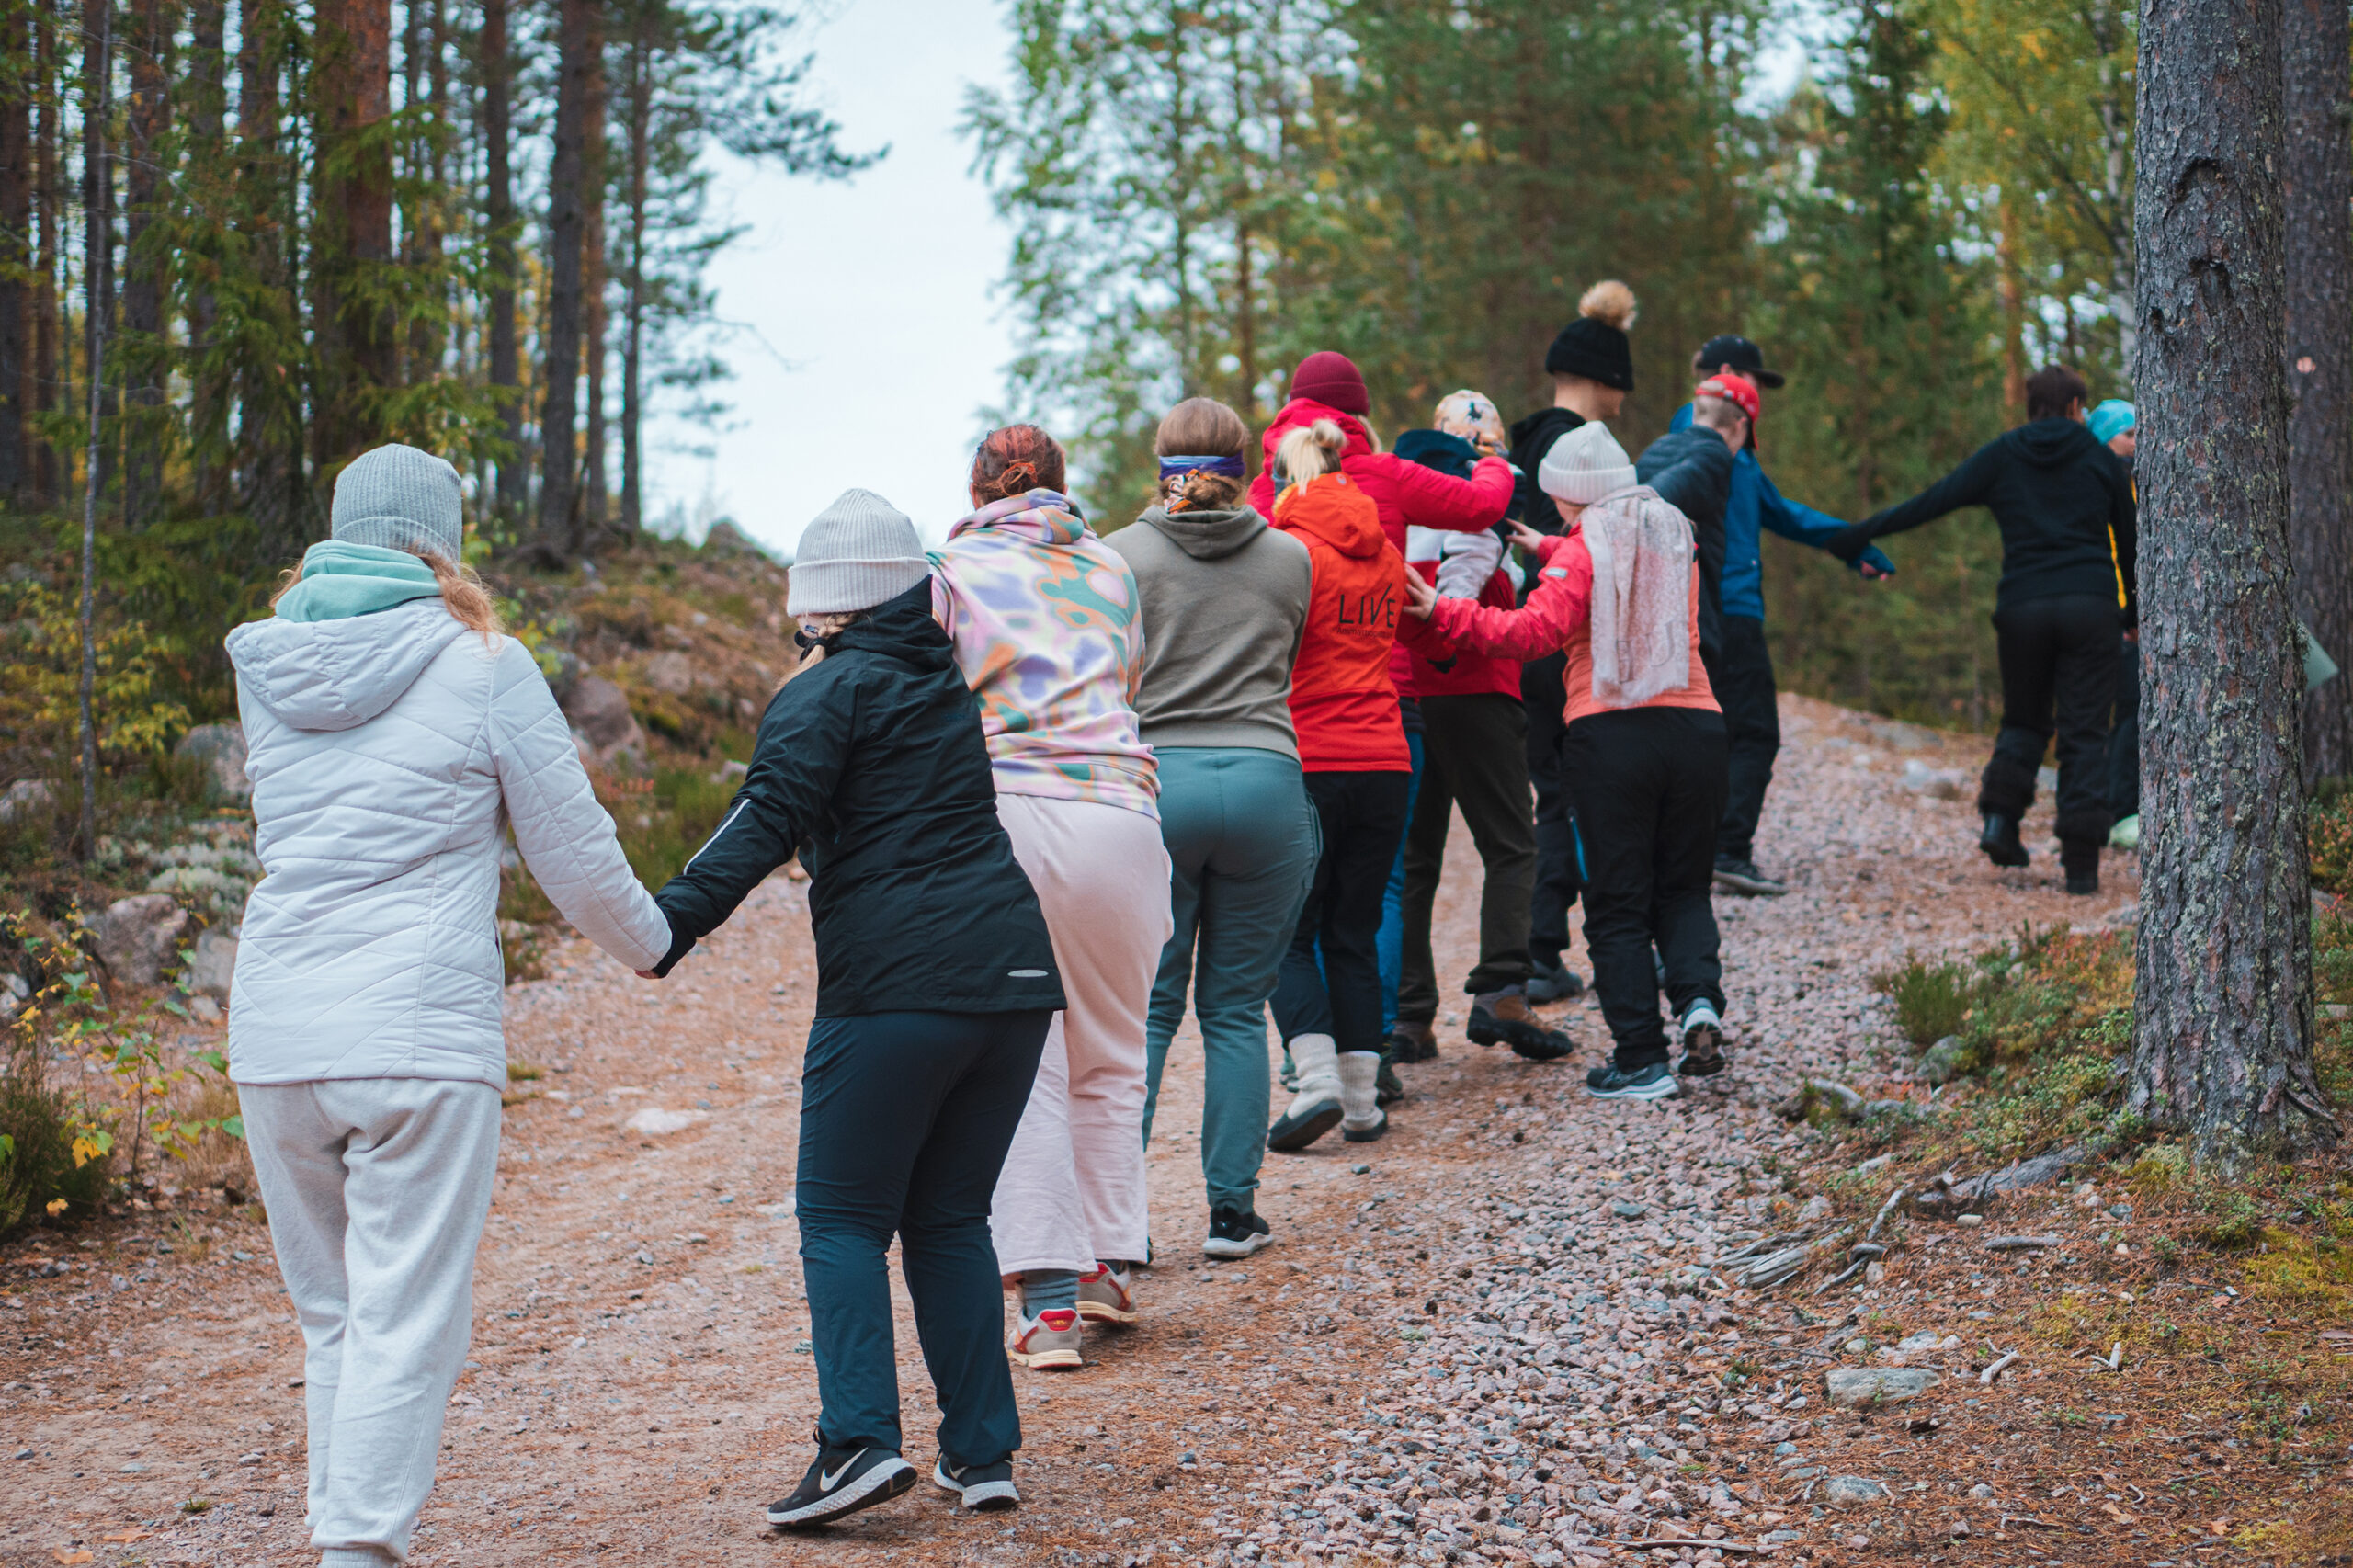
1527 538
1421 597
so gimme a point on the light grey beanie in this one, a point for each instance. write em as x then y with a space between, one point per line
1585 465
397 497
857 553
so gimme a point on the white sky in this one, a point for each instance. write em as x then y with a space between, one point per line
870 343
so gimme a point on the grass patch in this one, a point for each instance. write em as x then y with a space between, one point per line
1932 1001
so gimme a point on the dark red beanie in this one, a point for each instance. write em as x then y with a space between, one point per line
1331 377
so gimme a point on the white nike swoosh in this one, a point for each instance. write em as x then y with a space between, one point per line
828 1482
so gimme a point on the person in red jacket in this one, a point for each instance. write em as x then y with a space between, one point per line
1645 756
1474 730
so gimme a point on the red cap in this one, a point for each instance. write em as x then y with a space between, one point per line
1732 389
1331 377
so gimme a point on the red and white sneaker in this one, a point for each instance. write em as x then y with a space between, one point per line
1046 1343
1107 1295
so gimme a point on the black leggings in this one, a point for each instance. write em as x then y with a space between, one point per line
1650 786
1363 817
2059 657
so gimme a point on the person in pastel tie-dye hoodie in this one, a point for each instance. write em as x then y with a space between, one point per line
1049 633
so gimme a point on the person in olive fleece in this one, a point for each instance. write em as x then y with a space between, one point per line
936 981
2065 504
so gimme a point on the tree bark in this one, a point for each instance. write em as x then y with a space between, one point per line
98 109
208 401
2317 52
505 371
641 148
2223 1031
352 96
597 274
558 539
270 401
97 199
16 257
145 278
45 301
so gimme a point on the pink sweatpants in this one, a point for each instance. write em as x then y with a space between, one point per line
1072 1189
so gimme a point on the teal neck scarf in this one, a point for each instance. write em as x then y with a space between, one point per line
343 580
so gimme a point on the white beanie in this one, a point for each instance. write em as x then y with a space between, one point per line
398 497
857 553
1585 465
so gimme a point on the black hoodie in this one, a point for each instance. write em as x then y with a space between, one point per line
1531 439
1691 470
873 765
2064 503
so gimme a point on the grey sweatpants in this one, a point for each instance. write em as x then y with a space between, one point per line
377 1190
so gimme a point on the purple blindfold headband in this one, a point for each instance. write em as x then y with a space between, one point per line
1230 467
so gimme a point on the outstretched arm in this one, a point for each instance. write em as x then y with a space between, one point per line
1795 521
1968 485
1552 615
1429 499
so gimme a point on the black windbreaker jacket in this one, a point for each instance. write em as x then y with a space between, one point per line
871 765
2064 503
1691 470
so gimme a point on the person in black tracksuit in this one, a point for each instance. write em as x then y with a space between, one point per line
2064 503
936 981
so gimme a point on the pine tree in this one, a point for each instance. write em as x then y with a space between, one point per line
17 83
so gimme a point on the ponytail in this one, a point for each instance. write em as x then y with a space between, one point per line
1310 451
463 594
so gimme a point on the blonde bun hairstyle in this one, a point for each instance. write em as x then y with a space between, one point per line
1310 451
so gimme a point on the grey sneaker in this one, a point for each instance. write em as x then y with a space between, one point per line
1611 1082
1047 1342
1107 1295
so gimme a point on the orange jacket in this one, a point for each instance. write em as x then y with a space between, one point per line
1342 702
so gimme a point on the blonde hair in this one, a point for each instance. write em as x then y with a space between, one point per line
463 594
1310 451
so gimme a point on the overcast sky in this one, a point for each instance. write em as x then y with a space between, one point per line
869 342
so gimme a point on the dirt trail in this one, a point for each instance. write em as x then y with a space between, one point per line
640 1383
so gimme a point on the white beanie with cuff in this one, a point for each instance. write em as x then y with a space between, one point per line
857 553
1585 465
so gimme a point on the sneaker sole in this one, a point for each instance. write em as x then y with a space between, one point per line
1104 1311
981 1496
1663 1089
1528 1040
1047 1361
877 1485
1367 1135
1547 1052
1703 1067
1286 1137
1750 886
1217 1247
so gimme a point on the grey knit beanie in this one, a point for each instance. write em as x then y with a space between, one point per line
857 553
400 498
1585 465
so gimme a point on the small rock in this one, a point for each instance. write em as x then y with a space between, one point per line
670 673
1969 1221
1873 1272
1625 1210
1816 1208
222 749
1851 1491
212 964
1942 1063
2019 1244
1889 1385
24 1453
1980 1490
138 936
655 1122
204 1009
1360 1170
602 724
26 797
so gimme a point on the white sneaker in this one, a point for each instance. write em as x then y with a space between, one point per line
1703 1041
1363 1119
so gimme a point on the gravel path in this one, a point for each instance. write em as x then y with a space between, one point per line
1491 1337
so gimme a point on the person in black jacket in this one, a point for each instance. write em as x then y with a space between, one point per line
936 981
2064 503
1691 470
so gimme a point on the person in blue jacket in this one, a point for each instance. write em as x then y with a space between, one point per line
1740 670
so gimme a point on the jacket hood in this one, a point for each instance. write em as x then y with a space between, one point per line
1436 449
2053 443
1048 516
1205 533
1302 410
1334 509
1543 426
901 629
336 675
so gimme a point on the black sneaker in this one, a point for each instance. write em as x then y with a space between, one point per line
1501 1018
986 1488
1703 1041
2082 884
1235 1232
1388 1089
1611 1082
842 1480
1553 983
1409 1043
1742 876
2000 841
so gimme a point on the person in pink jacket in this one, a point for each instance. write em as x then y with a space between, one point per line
1644 758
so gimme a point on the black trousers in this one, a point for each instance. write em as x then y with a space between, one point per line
1650 788
906 1119
1363 817
1474 754
2059 658
1557 878
1742 676
2124 740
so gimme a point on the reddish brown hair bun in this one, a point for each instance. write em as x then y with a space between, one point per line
1016 461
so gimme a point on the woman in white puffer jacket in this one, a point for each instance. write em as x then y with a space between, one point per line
393 734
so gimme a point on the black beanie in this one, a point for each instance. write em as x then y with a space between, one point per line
1594 346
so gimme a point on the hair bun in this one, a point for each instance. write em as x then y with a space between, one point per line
1610 302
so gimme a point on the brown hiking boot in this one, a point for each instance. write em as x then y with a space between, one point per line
1501 1018
1412 1042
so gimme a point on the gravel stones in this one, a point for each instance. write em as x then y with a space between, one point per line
1853 1491
1878 1385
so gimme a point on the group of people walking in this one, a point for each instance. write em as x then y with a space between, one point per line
1049 785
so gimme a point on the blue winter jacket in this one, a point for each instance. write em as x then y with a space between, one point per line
1755 503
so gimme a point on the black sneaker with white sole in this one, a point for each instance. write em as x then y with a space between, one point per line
986 1488
1703 1041
1235 1232
842 1480
1611 1082
1742 876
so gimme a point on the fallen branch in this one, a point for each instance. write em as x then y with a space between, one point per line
1987 1377
2009 1519
1664 1541
1884 1210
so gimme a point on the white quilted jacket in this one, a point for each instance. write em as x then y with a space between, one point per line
387 751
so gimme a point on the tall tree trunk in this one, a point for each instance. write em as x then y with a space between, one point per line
351 92
505 368
270 402
16 256
2222 1034
596 276
558 536
2316 51
2013 288
47 180
97 107
208 398
640 152
145 272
